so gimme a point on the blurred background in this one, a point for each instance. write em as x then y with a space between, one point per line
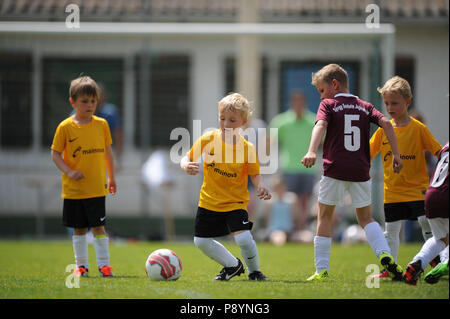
165 63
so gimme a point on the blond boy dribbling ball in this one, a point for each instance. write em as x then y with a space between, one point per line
346 163
228 161
81 149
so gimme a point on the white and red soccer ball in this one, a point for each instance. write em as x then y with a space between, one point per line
163 264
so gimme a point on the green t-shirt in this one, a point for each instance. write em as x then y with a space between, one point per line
294 136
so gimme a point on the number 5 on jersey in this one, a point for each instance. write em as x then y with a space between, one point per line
352 134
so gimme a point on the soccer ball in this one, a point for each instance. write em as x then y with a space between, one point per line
163 264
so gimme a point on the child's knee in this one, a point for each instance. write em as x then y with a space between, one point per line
201 243
80 231
423 221
98 230
244 239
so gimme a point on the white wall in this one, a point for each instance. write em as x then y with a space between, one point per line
429 47
19 171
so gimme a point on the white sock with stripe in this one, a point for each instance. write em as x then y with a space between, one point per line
248 250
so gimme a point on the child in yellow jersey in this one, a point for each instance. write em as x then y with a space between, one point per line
222 209
81 149
404 193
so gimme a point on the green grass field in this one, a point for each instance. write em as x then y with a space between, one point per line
36 269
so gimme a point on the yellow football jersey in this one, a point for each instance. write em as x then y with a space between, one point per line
412 181
84 149
226 168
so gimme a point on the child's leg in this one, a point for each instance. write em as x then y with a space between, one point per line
444 254
427 234
249 251
392 235
434 246
80 247
216 251
425 226
374 234
429 250
322 240
101 246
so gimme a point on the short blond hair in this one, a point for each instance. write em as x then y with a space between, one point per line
329 73
83 85
397 85
236 101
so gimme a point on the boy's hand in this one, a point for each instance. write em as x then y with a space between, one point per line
397 164
309 159
112 187
192 168
75 175
263 193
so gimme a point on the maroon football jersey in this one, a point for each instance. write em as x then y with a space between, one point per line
346 150
436 197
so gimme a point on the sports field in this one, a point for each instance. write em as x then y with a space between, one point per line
37 269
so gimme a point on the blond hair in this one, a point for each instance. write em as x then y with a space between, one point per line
83 85
329 73
397 85
235 101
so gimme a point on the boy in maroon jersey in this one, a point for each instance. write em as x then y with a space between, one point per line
346 163
436 210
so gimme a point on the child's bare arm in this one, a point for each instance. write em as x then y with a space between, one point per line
262 191
397 164
316 138
63 167
191 168
109 164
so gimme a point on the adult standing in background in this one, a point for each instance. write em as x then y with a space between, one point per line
110 113
294 132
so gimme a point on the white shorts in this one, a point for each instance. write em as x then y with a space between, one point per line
439 227
332 192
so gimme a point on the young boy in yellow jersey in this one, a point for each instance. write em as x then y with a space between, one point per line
228 161
81 149
404 193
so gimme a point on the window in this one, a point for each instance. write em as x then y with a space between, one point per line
296 75
404 67
15 100
57 75
167 96
230 82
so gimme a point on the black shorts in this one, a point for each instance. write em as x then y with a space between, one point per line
82 213
209 223
405 210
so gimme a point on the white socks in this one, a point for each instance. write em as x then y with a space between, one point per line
248 250
216 251
392 235
80 249
375 238
101 245
322 248
430 249
425 226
